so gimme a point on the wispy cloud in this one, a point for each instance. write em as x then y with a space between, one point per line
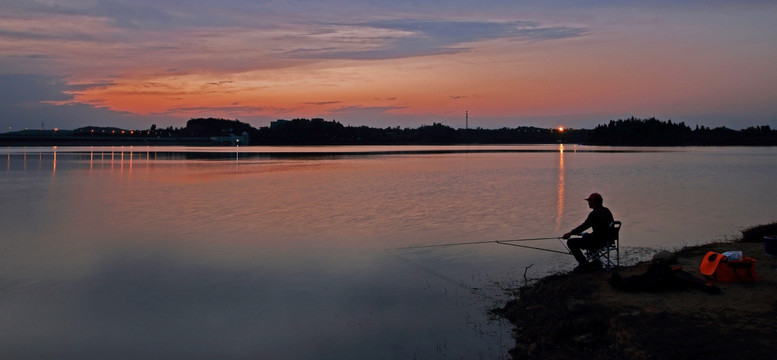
370 109
469 31
241 37
28 100
27 88
389 39
235 109
322 103
135 14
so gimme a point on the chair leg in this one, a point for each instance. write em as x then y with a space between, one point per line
604 256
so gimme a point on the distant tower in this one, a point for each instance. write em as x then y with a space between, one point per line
466 120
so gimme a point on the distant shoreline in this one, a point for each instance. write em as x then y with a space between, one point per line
98 141
8 141
219 132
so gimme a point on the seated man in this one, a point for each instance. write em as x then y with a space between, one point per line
599 220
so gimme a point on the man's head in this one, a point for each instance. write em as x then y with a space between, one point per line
594 200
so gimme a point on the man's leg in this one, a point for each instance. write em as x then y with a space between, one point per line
587 242
575 246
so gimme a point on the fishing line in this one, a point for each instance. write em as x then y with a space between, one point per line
459 284
505 242
533 247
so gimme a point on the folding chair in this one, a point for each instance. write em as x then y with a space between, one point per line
604 254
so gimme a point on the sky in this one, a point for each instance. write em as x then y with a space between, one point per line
133 63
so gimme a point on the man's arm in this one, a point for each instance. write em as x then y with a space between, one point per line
576 231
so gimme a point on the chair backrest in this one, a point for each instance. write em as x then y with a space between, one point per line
615 228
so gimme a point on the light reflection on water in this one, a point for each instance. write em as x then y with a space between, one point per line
290 252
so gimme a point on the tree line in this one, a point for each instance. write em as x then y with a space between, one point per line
320 131
654 132
317 131
621 132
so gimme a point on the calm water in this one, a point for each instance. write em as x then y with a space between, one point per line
293 252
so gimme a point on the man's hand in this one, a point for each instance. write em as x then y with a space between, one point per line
566 236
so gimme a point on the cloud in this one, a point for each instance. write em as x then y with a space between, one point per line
380 116
372 109
28 100
134 15
232 111
160 35
270 48
453 32
389 39
67 116
322 103
28 88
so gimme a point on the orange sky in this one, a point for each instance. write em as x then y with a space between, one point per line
508 65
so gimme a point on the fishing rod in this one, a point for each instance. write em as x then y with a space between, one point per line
503 242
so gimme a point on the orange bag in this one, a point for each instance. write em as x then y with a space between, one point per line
716 266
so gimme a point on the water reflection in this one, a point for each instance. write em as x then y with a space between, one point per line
25 160
119 159
560 202
125 156
289 260
54 158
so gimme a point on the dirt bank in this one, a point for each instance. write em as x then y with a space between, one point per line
583 316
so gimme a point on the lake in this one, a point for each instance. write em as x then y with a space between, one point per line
313 252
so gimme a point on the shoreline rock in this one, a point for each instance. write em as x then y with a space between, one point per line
582 316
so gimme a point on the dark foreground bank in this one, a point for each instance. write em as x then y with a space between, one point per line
583 316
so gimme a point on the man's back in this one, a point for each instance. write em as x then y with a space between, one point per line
600 219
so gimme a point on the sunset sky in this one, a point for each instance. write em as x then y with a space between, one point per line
133 63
